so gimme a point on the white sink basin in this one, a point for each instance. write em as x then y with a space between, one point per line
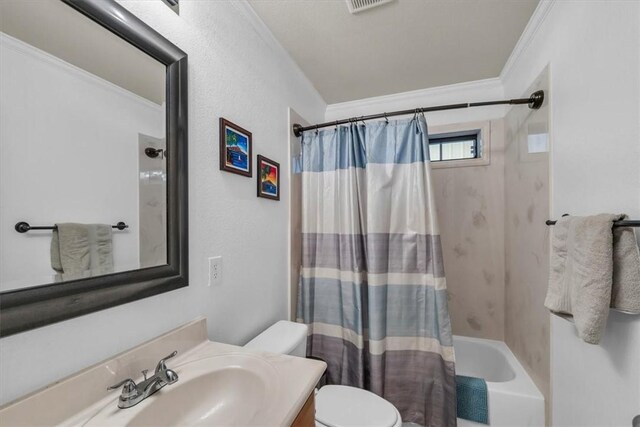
230 390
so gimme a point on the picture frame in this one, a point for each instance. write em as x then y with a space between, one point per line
236 149
268 178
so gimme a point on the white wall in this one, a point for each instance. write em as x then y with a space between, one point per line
594 55
235 71
58 156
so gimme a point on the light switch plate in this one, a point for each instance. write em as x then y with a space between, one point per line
215 271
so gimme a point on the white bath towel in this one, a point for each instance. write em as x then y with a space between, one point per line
591 271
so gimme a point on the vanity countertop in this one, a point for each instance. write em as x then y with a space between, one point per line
77 399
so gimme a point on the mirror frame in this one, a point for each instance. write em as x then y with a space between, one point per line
33 307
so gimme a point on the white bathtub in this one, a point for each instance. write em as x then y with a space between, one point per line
514 400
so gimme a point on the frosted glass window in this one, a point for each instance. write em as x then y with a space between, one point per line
445 147
434 152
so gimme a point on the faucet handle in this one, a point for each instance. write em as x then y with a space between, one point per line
129 388
161 366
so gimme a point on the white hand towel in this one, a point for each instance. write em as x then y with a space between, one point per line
581 280
81 250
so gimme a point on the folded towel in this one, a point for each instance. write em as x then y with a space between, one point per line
81 250
581 280
472 400
625 291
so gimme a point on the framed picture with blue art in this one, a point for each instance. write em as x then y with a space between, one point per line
235 148
268 178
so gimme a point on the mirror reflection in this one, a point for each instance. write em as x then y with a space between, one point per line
82 133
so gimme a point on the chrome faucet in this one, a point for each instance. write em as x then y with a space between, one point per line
133 393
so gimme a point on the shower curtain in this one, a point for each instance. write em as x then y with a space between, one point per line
372 286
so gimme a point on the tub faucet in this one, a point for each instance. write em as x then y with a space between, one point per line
133 393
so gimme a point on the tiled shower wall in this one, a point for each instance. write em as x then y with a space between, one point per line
527 237
470 205
152 199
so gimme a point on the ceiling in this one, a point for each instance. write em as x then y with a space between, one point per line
400 46
61 31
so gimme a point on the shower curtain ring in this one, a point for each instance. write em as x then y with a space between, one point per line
386 119
336 125
317 129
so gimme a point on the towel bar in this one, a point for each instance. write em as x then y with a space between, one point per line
23 227
621 223
618 310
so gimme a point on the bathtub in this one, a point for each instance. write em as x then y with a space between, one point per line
514 400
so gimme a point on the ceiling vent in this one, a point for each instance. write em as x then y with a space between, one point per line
356 6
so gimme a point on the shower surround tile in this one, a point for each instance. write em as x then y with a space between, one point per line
152 194
470 206
527 238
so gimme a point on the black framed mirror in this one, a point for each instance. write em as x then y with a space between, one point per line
38 304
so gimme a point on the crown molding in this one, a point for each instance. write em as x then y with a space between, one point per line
465 89
10 42
487 85
533 26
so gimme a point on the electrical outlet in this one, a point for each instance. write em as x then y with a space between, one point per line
215 271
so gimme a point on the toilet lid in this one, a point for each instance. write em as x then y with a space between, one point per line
342 406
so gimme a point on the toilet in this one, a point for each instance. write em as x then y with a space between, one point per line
336 405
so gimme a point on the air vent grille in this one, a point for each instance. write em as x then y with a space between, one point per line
356 6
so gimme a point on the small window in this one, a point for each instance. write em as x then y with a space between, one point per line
454 146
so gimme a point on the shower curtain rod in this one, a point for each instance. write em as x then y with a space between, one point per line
534 102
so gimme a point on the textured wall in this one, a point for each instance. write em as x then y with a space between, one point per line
527 239
235 71
470 205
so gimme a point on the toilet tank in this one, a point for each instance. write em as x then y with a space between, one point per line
282 337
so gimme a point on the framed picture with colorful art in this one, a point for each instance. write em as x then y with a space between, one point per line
235 148
268 178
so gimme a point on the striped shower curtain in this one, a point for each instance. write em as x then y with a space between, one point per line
372 286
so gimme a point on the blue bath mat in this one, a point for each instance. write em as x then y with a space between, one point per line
473 404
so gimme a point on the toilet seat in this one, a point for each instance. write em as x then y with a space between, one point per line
343 406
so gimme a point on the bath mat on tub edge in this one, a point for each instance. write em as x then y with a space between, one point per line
472 399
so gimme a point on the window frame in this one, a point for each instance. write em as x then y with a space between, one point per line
482 130
453 137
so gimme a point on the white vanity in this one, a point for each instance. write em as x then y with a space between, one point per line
218 384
